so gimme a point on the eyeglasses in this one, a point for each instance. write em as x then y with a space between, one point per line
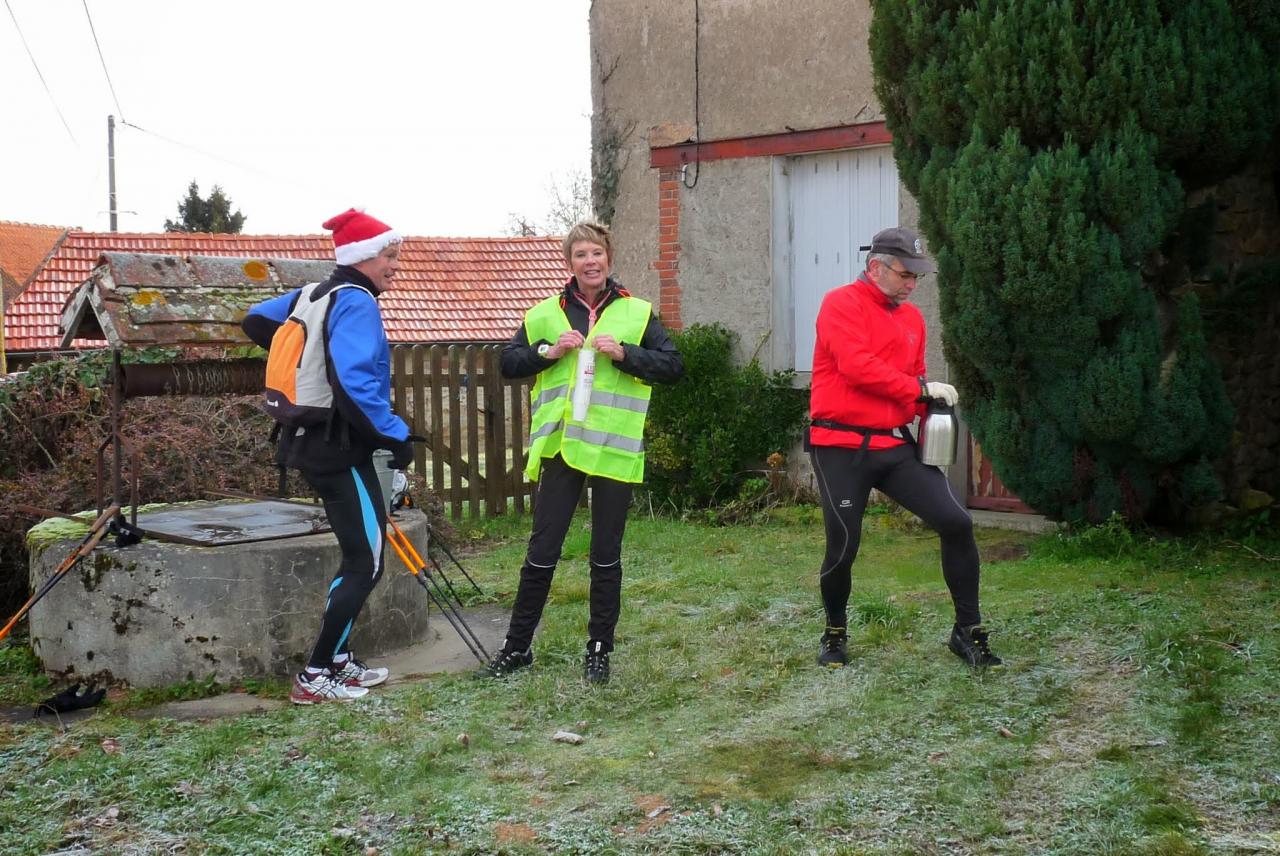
904 274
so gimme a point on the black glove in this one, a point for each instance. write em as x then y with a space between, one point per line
401 455
417 438
72 698
126 533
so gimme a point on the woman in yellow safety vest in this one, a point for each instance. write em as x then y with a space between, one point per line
595 350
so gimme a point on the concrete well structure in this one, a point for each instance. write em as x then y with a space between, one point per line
159 613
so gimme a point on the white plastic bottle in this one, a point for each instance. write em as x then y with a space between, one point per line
582 386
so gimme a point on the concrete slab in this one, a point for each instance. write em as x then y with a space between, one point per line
10 714
444 651
233 522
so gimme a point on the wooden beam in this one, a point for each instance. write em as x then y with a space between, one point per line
789 143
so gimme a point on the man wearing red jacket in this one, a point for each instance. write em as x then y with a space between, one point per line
869 383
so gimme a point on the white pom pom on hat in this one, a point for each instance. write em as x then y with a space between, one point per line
357 236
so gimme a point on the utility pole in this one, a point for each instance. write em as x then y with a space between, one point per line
111 169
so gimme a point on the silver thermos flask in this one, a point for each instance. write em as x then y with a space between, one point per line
939 433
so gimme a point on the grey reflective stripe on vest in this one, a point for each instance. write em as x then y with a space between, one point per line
600 438
621 402
549 395
546 430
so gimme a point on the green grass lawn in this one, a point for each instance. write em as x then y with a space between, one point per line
1138 715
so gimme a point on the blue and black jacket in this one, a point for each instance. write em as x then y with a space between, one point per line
359 362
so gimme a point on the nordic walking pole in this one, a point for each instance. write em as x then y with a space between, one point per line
426 575
417 557
96 531
435 536
462 630
438 597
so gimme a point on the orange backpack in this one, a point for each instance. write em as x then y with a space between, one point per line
298 393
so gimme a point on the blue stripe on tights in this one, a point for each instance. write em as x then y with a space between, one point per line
343 639
369 514
332 586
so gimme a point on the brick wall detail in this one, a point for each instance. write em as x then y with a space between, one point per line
668 262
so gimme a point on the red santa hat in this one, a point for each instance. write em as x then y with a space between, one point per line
357 236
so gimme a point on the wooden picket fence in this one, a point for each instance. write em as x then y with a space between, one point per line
476 423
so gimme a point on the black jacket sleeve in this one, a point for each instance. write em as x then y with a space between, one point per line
519 357
260 329
655 359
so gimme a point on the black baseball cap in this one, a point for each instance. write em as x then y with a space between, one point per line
906 246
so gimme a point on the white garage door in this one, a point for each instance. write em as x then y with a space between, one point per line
837 200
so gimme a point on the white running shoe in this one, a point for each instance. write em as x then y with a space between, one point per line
323 687
356 674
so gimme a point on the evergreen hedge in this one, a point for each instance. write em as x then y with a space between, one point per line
1051 146
707 435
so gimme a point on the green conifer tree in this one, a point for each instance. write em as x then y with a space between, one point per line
197 214
1051 145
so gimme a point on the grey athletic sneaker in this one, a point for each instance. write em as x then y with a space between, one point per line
354 673
321 688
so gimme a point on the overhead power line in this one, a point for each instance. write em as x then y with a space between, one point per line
103 59
219 158
40 74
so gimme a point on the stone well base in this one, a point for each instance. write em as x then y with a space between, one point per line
156 613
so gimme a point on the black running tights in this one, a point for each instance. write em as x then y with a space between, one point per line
559 489
357 514
845 479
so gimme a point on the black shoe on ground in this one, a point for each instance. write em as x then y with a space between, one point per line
596 668
506 662
970 645
833 650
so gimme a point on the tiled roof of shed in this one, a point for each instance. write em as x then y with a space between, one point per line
142 299
23 246
448 289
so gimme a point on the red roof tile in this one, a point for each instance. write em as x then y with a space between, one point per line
23 246
448 289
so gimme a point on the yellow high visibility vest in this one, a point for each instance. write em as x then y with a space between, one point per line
610 441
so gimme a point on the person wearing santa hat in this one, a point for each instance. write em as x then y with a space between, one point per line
336 459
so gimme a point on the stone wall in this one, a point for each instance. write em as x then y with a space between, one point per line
764 67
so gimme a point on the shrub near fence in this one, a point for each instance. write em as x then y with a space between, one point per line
710 435
476 423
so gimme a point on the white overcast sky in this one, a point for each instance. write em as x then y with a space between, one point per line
440 118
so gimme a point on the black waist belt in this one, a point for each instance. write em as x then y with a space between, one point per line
867 433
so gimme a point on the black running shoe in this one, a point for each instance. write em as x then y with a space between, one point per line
596 668
970 645
833 650
506 662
